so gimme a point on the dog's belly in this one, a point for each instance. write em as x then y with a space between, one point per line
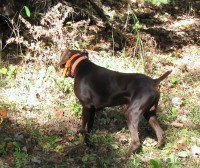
118 99
99 101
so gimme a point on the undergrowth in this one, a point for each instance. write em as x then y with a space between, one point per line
51 115
40 115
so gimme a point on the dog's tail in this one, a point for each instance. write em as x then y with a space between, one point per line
157 81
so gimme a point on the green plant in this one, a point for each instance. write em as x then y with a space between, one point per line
8 72
28 13
134 163
49 144
11 71
21 157
36 135
75 106
173 113
52 140
155 163
42 51
158 2
85 158
3 71
85 44
174 80
104 161
2 149
76 45
66 85
139 43
172 161
194 113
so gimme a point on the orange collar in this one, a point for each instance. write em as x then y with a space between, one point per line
76 63
69 69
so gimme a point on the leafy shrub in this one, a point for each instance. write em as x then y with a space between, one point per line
50 36
158 2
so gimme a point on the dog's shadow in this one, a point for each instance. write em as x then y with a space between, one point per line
112 121
110 139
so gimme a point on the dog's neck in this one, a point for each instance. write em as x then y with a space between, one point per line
72 63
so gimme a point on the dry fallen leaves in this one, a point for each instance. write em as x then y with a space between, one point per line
149 142
177 124
3 113
58 113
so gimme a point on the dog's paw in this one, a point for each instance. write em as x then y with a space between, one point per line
88 142
161 143
81 131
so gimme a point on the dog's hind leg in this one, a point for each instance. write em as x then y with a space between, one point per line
133 117
158 130
150 116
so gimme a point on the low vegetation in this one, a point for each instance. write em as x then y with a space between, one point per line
40 116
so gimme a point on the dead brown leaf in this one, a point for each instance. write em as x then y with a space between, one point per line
177 125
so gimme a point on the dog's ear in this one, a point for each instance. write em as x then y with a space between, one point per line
63 58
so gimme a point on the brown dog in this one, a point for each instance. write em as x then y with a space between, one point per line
97 87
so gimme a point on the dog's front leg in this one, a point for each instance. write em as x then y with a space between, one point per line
88 115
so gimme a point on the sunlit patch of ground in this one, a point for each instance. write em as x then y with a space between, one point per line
39 113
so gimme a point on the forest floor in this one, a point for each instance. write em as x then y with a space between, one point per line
40 116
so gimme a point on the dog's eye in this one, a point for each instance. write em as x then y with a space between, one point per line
85 53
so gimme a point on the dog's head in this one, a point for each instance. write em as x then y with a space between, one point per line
66 54
69 60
